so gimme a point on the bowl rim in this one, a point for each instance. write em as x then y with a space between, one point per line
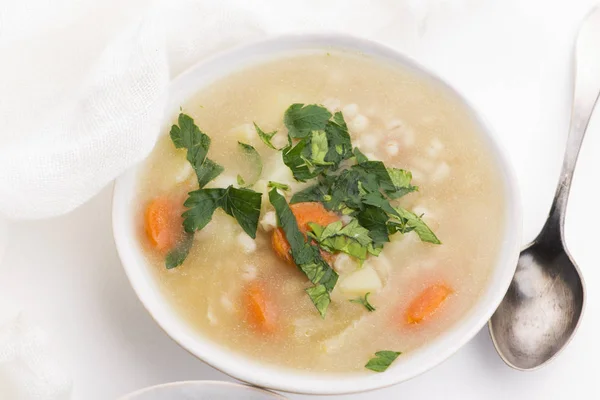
296 381
133 395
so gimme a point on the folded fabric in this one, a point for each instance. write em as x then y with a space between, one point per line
28 366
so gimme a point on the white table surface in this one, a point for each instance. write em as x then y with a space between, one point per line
66 274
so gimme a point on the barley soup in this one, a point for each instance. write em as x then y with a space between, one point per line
338 212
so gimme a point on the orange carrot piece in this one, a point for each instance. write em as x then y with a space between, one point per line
281 245
304 213
261 313
427 303
163 223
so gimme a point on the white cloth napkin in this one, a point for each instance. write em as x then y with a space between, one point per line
83 83
28 366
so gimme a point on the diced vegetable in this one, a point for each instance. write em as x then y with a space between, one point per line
261 312
304 213
427 303
163 223
360 282
281 246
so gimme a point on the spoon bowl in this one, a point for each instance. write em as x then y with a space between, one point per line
543 306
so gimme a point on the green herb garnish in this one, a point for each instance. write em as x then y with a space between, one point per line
242 204
254 163
364 190
177 256
266 136
319 148
364 301
360 157
382 360
187 135
277 185
305 255
301 120
321 143
351 239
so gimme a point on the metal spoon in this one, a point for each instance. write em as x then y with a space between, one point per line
543 305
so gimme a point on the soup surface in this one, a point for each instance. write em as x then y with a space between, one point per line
247 294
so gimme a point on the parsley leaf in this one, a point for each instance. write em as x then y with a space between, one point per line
360 157
340 145
315 193
201 205
320 298
414 222
301 120
374 219
266 136
382 360
375 176
187 135
351 239
177 256
295 159
208 171
306 256
242 204
401 180
319 148
255 164
364 301
277 185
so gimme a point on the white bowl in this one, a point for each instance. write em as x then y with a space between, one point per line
271 376
202 390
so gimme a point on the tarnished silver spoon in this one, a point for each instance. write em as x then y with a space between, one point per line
543 305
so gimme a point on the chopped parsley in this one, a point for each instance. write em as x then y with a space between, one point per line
266 137
254 163
242 204
364 301
177 256
305 255
322 142
187 135
351 239
382 360
301 120
277 185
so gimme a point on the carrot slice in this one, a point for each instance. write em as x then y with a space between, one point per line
304 213
427 303
163 223
261 313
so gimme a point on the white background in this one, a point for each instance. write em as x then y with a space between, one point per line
514 63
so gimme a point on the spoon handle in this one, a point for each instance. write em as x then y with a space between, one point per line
585 96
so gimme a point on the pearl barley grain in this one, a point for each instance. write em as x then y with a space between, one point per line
359 124
269 221
350 111
333 105
247 244
392 148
